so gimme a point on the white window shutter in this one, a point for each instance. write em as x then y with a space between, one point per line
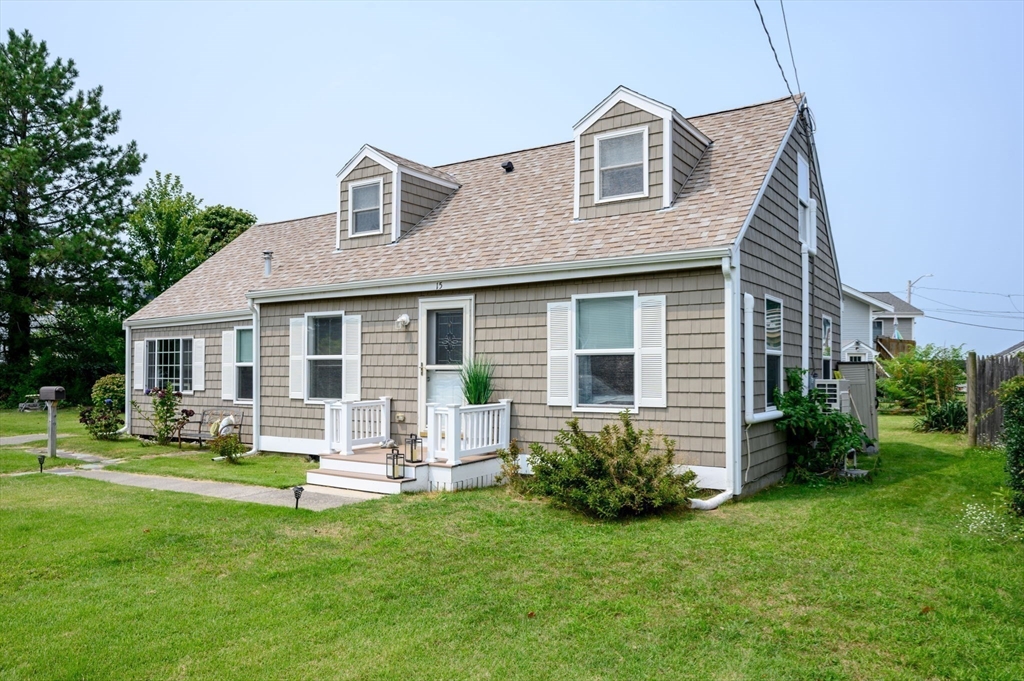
652 352
198 364
227 365
812 225
559 354
296 357
139 366
352 338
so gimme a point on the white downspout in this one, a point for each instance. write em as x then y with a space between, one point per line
256 370
733 452
805 313
127 381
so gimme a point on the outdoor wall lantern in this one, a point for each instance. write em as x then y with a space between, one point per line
298 493
394 462
414 448
42 459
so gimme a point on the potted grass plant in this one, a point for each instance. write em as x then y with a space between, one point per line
477 381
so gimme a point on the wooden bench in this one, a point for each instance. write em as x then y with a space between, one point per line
207 418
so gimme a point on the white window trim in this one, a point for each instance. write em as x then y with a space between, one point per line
597 164
573 353
306 357
237 364
831 357
145 361
781 352
379 181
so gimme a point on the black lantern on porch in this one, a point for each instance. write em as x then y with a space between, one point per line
414 448
394 462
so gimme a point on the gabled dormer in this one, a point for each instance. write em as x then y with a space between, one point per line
381 195
621 163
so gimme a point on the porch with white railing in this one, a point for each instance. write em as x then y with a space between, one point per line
354 424
456 431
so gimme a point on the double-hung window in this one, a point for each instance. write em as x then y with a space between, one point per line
607 352
826 347
169 364
773 349
324 358
621 171
364 207
243 364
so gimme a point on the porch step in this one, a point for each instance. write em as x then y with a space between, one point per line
364 482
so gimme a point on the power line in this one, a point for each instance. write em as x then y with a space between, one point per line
955 308
980 293
771 45
980 326
791 57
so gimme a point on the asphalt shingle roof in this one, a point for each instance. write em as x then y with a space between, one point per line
497 219
901 308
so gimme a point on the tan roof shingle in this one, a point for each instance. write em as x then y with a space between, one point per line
497 219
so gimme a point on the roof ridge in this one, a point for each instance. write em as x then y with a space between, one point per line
504 153
281 222
747 106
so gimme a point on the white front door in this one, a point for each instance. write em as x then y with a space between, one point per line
445 332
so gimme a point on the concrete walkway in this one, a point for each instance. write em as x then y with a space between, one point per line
25 439
312 500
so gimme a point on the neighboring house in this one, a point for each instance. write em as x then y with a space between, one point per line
666 266
902 317
1012 351
860 311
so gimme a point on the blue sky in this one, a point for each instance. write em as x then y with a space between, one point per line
920 107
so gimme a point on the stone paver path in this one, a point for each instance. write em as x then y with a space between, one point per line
25 439
311 500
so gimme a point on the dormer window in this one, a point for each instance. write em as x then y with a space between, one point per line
364 214
622 164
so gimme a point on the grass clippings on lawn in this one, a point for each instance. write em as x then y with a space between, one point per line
861 581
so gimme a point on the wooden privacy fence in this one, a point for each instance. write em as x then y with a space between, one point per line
984 376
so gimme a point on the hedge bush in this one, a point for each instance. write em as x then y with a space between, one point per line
1011 396
615 473
109 387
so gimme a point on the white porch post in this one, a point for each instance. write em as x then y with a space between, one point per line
385 424
454 434
346 428
506 423
328 428
432 434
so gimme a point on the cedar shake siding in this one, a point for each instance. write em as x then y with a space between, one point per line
419 197
687 151
201 400
510 330
620 116
770 264
367 169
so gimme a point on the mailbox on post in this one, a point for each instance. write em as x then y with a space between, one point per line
52 394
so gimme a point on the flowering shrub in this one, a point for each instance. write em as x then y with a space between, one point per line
981 520
227 446
167 420
109 391
102 421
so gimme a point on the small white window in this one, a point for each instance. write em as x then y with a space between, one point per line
826 347
876 329
621 165
773 349
807 213
324 358
364 212
243 364
169 364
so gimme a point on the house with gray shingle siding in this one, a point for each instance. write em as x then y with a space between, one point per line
671 267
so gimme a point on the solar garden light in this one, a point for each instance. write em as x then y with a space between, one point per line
414 448
394 464
42 460
298 493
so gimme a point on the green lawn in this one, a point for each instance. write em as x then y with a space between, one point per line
865 581
13 422
16 460
270 470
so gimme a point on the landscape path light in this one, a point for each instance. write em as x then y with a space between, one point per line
298 493
42 460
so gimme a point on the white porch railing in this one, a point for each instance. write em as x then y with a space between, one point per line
456 431
350 424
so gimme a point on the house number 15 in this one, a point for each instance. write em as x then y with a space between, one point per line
440 285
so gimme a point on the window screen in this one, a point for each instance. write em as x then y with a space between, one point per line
621 165
366 208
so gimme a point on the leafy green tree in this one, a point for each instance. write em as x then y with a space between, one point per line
221 225
924 376
164 243
64 190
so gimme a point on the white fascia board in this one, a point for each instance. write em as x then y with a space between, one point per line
764 185
624 94
864 298
690 127
184 320
367 152
503 276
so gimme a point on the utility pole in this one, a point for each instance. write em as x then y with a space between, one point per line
910 285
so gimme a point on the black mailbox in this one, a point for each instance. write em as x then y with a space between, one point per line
51 393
